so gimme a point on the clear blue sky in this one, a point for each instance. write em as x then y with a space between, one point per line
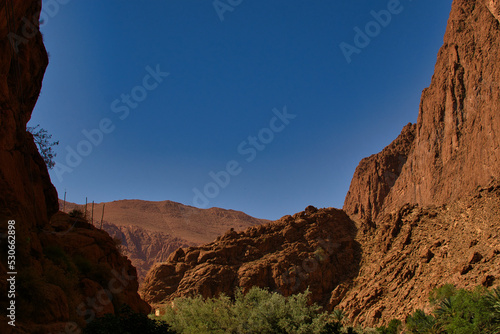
161 135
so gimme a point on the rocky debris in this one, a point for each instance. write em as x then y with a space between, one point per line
396 275
456 145
314 248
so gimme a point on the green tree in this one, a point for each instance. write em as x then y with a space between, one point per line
493 303
43 141
421 323
458 312
392 328
258 311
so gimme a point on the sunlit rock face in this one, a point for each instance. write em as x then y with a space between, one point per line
456 145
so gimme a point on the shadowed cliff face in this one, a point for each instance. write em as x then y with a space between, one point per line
27 194
59 264
456 146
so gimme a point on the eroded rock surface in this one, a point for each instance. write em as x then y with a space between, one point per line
314 248
457 137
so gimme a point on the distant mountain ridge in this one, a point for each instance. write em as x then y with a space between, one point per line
151 231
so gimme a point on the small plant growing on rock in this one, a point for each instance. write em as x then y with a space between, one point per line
75 213
43 142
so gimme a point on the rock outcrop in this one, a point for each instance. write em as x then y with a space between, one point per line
143 247
314 248
437 222
150 231
416 249
376 175
60 264
457 139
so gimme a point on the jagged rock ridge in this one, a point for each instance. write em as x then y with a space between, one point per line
151 231
456 145
314 249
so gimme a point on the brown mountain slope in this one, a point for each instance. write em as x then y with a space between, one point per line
314 248
456 145
416 249
52 291
373 274
151 231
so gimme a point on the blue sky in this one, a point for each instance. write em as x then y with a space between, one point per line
259 112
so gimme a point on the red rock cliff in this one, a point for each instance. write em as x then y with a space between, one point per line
61 263
457 139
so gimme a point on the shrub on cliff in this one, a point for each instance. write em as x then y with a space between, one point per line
43 141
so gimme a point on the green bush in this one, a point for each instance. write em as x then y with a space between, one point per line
437 295
458 312
127 322
333 327
421 323
258 311
392 328
75 213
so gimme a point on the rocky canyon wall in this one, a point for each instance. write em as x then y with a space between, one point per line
60 263
456 145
